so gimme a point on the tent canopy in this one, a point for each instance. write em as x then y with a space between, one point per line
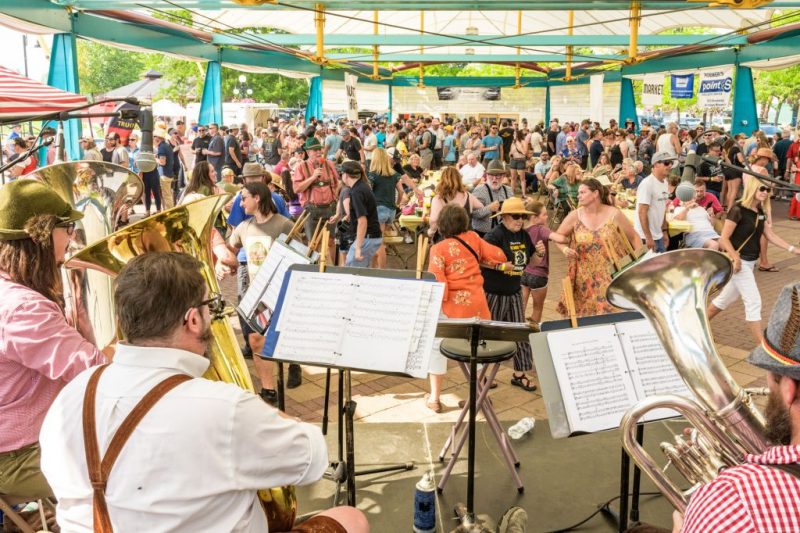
23 97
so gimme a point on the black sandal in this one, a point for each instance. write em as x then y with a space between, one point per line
523 382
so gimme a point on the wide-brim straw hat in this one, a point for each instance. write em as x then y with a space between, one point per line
513 206
765 152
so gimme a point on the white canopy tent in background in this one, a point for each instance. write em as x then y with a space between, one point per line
168 108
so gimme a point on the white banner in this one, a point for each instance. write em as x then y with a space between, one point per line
596 97
653 89
715 88
350 81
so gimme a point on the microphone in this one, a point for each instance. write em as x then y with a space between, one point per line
131 100
145 159
685 189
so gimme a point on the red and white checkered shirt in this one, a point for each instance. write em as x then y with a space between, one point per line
750 497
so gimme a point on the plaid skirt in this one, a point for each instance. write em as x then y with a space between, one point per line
508 308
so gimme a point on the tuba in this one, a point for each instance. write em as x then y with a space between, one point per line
187 228
104 193
671 290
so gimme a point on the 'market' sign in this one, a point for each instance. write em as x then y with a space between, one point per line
350 81
653 89
715 88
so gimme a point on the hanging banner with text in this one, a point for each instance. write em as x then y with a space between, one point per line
350 81
653 90
681 86
715 88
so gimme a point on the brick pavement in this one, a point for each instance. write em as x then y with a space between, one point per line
393 399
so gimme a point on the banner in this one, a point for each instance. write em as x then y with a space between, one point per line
715 88
596 97
123 126
350 81
468 94
653 90
682 86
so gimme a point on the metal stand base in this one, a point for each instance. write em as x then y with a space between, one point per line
627 513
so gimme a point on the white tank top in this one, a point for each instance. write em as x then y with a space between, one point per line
664 144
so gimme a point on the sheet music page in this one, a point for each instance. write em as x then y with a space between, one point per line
283 258
381 322
314 317
593 376
260 282
423 341
652 371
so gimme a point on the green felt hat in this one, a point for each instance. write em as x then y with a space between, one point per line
23 199
312 143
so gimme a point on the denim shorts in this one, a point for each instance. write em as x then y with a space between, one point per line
533 282
368 250
385 214
517 164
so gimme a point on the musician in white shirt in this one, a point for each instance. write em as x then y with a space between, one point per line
196 460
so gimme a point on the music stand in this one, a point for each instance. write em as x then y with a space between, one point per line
344 471
476 331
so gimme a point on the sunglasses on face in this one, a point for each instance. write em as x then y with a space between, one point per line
666 163
764 188
517 217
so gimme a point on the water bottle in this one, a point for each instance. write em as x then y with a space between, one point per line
425 505
521 428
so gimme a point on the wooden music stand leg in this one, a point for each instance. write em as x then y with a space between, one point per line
569 301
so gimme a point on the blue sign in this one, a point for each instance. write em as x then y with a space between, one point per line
682 85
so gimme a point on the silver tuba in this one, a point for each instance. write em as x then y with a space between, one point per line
672 290
104 192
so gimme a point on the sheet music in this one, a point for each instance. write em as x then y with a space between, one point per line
593 376
267 283
652 371
359 322
308 330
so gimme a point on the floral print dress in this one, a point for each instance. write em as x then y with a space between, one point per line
590 272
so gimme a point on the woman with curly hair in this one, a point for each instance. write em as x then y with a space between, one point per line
450 190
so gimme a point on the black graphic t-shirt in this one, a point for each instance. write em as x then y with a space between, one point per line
518 248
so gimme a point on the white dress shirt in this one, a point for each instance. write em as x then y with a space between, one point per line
470 174
194 462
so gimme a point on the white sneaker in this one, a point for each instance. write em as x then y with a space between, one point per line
408 239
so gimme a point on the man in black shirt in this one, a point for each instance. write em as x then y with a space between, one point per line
107 151
507 134
552 135
364 229
271 147
200 142
596 146
233 152
712 174
351 147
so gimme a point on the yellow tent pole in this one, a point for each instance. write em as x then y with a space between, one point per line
635 19
375 74
421 50
570 24
319 22
519 50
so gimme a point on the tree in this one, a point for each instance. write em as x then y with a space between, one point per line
103 68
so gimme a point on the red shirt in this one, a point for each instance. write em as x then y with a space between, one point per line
750 497
792 155
707 200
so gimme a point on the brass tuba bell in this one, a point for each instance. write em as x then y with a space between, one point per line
187 228
671 290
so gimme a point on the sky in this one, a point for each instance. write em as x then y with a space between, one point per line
13 56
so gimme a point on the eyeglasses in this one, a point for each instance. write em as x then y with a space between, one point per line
216 306
69 227
110 139
764 188
518 217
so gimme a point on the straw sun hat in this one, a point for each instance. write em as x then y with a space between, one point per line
513 206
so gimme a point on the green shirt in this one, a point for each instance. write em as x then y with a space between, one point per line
384 188
565 189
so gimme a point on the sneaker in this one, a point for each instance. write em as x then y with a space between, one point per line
247 352
514 520
295 376
408 239
270 396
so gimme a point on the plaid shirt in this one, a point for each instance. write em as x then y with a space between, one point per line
750 497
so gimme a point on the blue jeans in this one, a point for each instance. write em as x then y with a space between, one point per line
659 246
368 249
385 214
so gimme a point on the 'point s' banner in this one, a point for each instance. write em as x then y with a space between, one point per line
715 88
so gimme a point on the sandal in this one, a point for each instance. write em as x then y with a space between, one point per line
434 405
523 382
771 268
492 386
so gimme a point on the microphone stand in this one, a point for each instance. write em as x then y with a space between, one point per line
24 155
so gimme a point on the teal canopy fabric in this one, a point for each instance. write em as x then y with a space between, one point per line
64 75
745 115
211 103
314 104
547 107
627 104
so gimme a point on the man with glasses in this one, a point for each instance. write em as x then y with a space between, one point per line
133 151
216 149
651 204
200 145
112 152
492 145
711 173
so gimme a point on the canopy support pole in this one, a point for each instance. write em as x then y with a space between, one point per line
547 106
421 50
635 19
627 103
570 28
314 103
63 75
517 69
745 114
211 101
375 75
319 22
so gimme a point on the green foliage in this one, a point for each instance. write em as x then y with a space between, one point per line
102 68
468 69
267 88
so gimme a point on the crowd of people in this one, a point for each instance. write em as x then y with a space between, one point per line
498 195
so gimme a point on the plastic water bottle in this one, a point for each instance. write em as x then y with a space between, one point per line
522 427
425 505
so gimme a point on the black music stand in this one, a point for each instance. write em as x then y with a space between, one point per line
343 471
477 331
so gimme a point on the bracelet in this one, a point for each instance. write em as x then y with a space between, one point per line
501 267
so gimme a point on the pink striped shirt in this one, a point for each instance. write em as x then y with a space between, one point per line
750 497
39 353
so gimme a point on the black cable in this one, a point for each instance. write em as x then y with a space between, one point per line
598 511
